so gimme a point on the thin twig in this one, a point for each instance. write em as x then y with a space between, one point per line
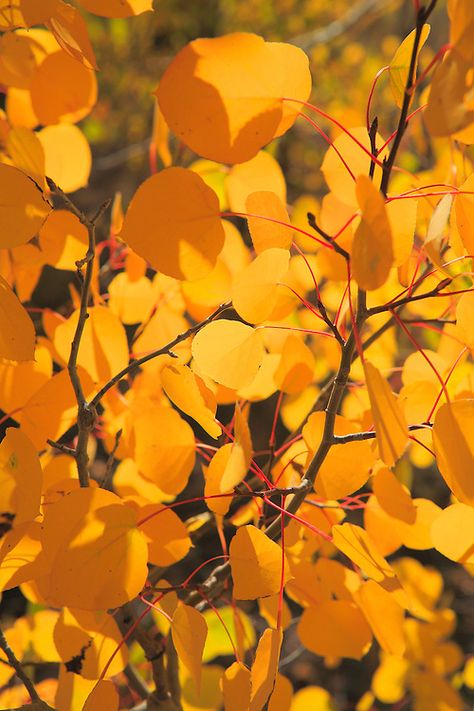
16 664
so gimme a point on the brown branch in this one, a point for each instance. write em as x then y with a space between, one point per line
172 672
19 671
165 350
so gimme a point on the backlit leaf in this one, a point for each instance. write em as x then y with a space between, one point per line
384 615
266 233
400 64
335 628
454 447
167 536
256 288
264 668
70 31
20 480
188 392
173 221
27 154
262 172
189 630
453 533
229 352
355 543
223 97
390 426
256 564
103 696
68 157
17 333
63 240
23 209
236 687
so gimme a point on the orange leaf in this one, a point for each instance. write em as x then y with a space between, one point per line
174 222
117 8
265 233
384 615
229 352
23 208
188 392
265 668
356 544
335 628
372 252
167 536
26 152
236 687
390 425
262 172
464 209
453 533
189 630
17 333
454 447
70 31
223 97
63 240
19 381
103 696
256 563
240 454
20 480
295 370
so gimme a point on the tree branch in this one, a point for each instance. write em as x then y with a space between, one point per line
19 671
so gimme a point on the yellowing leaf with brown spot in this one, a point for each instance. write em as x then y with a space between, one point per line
454 447
229 352
335 628
347 466
223 96
167 536
255 291
20 480
103 696
17 333
23 208
91 637
356 544
164 448
189 393
400 64
295 370
236 687
70 31
103 350
68 157
264 668
117 8
62 89
90 535
256 563
384 615
268 233
189 631
174 222
26 152
63 240
372 252
453 533
262 172
390 425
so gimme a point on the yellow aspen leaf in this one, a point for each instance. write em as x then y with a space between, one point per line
17 333
167 536
256 563
454 447
452 533
174 222
390 425
312 697
356 544
163 327
213 475
42 642
263 385
256 288
19 108
268 609
73 690
437 229
449 108
461 17
464 321
117 8
432 691
236 687
229 352
164 448
102 330
17 60
131 300
34 14
70 31
90 534
372 252
63 240
239 626
19 553
389 680
209 697
189 631
422 584
262 172
264 668
104 695
240 456
19 381
336 175
417 534
400 64
335 628
62 89
266 233
20 480
86 640
402 218
296 368
129 482
346 467
23 209
214 174
393 497
203 296
68 158
282 693
223 96
464 210
378 525
188 392
384 615
26 152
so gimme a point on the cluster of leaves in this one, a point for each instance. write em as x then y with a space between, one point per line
355 315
